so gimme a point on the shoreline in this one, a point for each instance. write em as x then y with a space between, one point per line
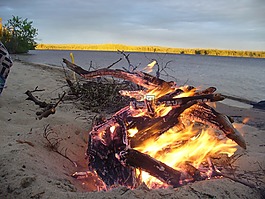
29 168
156 49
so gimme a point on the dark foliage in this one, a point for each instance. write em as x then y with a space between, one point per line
19 35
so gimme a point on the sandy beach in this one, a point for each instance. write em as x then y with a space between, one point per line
29 168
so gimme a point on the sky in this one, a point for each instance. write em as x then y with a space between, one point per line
222 24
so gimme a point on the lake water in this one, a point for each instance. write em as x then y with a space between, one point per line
233 76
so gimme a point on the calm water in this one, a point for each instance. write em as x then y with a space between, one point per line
238 77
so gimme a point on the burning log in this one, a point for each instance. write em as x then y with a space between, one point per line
154 127
192 171
156 168
164 127
204 113
184 100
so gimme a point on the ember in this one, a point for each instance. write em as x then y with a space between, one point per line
164 137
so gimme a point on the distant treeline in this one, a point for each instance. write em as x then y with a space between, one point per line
157 49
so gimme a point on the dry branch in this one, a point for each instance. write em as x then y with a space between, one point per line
25 142
47 108
35 100
54 142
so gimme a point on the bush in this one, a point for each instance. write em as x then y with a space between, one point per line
18 35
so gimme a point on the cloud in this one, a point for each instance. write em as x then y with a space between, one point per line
206 23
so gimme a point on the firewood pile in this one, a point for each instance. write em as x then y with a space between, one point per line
99 95
165 136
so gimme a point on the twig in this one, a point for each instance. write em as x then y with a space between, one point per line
37 90
165 66
91 66
216 172
246 101
46 113
131 68
25 142
54 143
61 98
238 180
71 86
114 63
235 158
50 109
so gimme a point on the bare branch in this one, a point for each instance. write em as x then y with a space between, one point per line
54 142
114 63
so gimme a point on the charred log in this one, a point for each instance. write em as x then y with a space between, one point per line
102 150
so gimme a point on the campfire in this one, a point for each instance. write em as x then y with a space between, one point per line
166 136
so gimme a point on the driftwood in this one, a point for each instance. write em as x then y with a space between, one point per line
35 100
47 108
192 171
140 78
99 94
205 114
72 87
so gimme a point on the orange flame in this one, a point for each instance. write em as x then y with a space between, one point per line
132 132
177 146
190 145
150 66
245 120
